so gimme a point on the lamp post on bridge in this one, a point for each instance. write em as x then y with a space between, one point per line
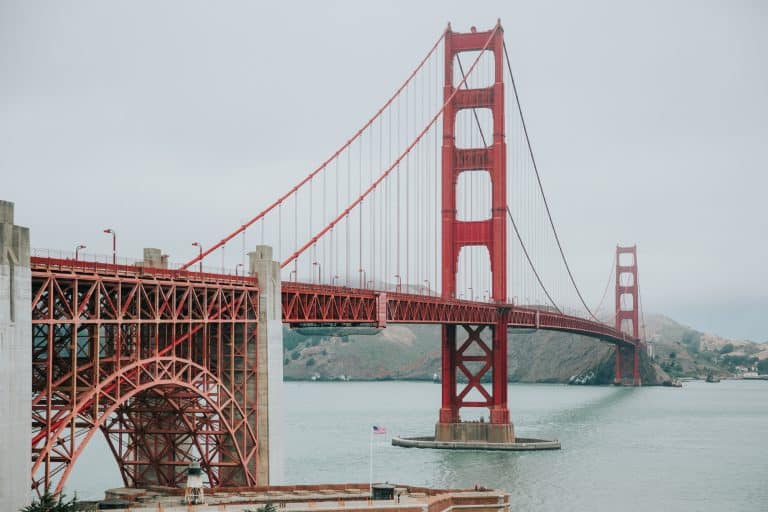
111 231
361 271
77 251
237 267
319 271
429 290
200 254
293 273
471 293
399 286
333 279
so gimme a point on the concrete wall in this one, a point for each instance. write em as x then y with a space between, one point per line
269 360
15 362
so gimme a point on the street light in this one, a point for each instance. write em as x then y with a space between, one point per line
77 251
486 295
362 277
237 267
111 231
429 292
333 280
319 271
471 293
399 286
200 254
291 273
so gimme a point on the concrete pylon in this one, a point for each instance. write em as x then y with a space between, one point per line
15 362
269 361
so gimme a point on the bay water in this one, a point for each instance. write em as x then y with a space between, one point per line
701 447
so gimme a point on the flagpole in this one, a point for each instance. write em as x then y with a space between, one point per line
370 474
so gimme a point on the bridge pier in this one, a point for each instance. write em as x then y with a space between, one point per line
473 358
268 359
627 357
15 362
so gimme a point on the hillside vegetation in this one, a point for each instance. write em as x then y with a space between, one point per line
413 352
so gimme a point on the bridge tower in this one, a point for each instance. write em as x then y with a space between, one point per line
627 311
472 350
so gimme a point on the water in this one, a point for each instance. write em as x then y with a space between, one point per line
703 447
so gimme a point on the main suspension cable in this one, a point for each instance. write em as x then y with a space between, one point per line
394 165
530 262
322 166
541 187
509 212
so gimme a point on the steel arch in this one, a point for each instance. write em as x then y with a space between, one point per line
176 379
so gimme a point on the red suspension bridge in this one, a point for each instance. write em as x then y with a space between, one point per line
433 212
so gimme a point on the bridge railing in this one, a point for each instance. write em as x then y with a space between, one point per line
98 263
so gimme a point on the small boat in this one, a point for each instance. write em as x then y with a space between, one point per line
712 378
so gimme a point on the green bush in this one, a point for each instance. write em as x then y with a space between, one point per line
726 349
311 362
51 503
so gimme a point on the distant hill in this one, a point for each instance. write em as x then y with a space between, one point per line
413 352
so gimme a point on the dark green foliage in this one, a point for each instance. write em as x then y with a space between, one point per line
51 503
726 349
295 355
734 360
268 507
291 340
762 367
691 339
285 362
311 361
673 355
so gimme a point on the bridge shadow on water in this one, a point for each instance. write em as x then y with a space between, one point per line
523 473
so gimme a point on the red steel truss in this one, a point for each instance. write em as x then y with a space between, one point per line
161 362
314 304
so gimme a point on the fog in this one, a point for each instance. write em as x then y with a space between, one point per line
175 121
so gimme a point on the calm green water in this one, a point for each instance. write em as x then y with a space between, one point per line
703 447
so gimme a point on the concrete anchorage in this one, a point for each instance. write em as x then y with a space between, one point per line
15 362
269 361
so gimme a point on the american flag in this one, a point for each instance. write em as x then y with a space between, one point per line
379 430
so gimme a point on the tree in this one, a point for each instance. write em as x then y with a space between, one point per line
50 503
311 361
726 349
762 367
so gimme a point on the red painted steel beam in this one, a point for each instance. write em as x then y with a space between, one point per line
156 359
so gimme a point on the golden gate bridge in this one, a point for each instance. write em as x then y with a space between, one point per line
433 212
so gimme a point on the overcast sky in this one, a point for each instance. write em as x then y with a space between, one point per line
174 121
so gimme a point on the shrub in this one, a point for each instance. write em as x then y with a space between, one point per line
311 362
726 349
50 503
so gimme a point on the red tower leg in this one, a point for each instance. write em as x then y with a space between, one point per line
628 312
473 358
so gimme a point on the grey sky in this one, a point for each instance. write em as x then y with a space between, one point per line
174 121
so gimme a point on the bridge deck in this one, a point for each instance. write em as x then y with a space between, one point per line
307 304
